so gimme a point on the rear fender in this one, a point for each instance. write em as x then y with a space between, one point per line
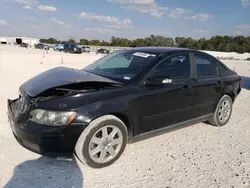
229 90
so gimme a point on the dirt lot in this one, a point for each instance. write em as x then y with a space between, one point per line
196 156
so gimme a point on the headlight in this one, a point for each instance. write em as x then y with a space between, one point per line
75 49
52 118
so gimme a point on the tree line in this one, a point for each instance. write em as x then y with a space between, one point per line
240 44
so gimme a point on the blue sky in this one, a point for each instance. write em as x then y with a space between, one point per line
101 19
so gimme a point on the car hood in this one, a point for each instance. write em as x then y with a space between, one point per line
57 77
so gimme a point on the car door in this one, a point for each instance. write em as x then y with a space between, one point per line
170 103
208 84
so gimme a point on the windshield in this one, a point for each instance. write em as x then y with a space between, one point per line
123 65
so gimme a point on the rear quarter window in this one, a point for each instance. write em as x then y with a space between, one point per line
222 68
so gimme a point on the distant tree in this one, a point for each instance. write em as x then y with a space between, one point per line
95 42
49 41
201 43
179 41
71 41
189 43
157 40
225 43
123 42
104 43
43 40
84 42
138 43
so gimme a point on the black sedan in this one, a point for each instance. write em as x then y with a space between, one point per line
24 45
102 51
121 98
39 46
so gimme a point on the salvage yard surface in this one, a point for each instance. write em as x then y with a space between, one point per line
196 156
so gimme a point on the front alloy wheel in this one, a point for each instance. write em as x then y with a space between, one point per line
102 142
105 144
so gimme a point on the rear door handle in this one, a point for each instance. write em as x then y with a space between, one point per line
219 83
186 88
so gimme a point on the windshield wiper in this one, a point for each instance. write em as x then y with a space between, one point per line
115 84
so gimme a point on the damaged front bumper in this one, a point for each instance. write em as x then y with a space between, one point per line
41 139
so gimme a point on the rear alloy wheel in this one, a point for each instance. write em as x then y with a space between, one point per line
223 112
102 142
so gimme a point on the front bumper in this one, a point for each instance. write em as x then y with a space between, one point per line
42 139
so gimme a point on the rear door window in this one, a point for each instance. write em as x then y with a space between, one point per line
205 66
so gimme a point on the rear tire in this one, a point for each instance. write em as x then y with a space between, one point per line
102 142
223 111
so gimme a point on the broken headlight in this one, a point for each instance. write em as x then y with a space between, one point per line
52 118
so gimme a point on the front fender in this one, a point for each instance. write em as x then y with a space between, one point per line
89 112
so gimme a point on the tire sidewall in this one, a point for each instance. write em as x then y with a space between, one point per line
225 97
82 146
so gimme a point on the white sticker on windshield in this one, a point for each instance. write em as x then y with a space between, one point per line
126 78
142 54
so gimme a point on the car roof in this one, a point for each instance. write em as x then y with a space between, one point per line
161 49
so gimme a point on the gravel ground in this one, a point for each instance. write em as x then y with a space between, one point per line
196 156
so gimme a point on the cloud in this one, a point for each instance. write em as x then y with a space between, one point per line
27 7
99 30
125 24
200 31
35 27
244 27
178 12
27 2
47 8
30 18
59 23
138 2
3 22
200 17
245 3
143 6
100 18
113 21
239 33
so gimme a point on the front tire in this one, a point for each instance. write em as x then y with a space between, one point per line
102 142
223 111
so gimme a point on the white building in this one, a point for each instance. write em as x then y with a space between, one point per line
18 40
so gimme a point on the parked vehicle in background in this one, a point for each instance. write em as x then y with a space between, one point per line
72 48
59 47
123 97
43 46
39 46
86 49
102 51
24 45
